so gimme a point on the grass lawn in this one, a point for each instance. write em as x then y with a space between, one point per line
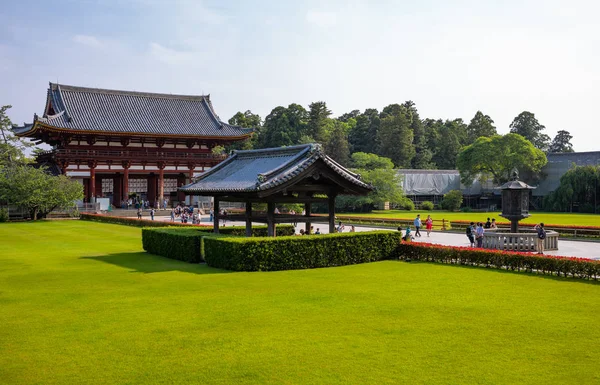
536 217
81 303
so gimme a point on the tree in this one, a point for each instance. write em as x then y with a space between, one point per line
349 115
480 125
12 148
337 146
36 191
561 142
283 126
445 139
318 117
497 156
380 173
579 186
452 200
362 134
247 120
526 125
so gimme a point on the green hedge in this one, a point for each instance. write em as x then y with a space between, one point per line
509 260
186 244
136 222
305 252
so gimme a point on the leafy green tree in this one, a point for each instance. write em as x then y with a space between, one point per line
318 117
12 148
362 135
36 191
445 139
526 125
362 160
395 136
497 156
283 126
337 146
480 125
579 187
452 200
561 142
349 115
247 120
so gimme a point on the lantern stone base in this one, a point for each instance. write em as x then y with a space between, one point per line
526 240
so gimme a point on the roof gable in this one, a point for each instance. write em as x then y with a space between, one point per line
269 170
112 111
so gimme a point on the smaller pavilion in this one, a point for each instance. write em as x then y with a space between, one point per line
295 174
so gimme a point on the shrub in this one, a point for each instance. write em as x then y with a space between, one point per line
134 221
186 244
427 206
4 215
407 204
288 253
509 260
452 200
466 209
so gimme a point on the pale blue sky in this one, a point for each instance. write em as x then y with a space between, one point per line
451 58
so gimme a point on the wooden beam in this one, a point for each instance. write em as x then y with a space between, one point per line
216 216
307 207
331 207
270 219
248 219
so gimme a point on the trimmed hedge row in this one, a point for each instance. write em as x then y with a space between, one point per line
509 260
186 244
306 252
134 222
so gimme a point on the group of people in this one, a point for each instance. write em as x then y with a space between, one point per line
475 231
338 229
144 204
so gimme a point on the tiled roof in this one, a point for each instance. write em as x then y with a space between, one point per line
100 110
264 169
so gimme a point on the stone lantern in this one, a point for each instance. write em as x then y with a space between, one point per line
515 201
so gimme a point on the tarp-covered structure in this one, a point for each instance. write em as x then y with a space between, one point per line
558 165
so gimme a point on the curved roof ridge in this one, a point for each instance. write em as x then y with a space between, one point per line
69 88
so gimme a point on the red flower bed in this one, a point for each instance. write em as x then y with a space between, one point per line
133 221
509 260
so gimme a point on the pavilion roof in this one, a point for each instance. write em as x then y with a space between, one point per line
94 110
272 170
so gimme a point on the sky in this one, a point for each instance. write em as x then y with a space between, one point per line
452 58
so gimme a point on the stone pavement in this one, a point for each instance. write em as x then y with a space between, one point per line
565 248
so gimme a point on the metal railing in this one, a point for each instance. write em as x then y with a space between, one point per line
132 154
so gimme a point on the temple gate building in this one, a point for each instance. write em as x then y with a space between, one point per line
119 143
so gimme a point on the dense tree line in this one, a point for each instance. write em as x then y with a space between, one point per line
579 190
396 132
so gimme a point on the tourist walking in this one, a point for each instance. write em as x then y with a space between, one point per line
417 225
470 230
211 216
479 234
429 224
541 237
172 215
152 213
139 213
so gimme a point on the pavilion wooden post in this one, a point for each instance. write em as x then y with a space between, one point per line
248 219
161 183
307 207
216 211
92 165
271 219
331 209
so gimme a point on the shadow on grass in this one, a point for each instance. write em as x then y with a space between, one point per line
504 271
142 262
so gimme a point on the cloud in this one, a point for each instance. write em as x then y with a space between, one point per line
321 18
87 40
170 56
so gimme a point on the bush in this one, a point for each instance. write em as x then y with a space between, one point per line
288 253
427 206
134 221
186 244
452 200
4 215
509 260
466 209
407 204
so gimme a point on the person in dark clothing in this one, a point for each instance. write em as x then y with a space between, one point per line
488 224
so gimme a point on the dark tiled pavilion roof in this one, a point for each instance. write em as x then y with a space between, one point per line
261 170
94 110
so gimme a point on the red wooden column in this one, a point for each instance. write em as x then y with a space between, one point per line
126 165
161 182
92 165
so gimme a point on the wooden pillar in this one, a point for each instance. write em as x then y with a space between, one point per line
248 219
152 189
161 184
307 207
271 219
126 166
117 191
92 184
216 211
331 207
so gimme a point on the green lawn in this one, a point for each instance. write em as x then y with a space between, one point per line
81 303
536 217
